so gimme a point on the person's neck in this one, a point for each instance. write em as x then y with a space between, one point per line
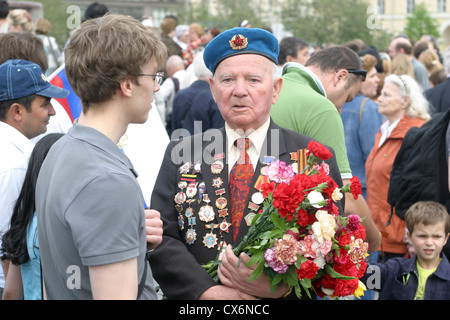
106 120
429 264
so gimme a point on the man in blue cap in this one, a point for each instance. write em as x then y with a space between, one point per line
25 110
204 204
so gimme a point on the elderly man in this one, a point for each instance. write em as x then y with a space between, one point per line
196 185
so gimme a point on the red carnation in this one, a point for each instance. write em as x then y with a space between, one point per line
267 188
318 150
355 187
308 270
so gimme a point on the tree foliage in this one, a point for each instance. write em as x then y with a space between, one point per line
323 22
420 23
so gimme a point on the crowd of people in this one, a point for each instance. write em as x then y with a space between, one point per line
72 204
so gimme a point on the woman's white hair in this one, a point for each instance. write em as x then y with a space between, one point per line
418 106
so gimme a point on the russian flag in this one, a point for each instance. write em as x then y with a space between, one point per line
72 104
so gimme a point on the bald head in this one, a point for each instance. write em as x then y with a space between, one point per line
173 64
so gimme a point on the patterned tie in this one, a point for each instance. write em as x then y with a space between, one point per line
241 176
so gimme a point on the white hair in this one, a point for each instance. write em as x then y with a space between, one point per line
418 106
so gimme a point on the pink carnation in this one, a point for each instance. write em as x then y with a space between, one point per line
273 262
279 172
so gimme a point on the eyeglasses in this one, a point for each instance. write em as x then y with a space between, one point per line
158 77
361 73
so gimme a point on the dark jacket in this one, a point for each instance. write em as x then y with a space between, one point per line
439 97
195 103
176 264
399 279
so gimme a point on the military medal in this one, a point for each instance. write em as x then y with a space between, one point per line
221 202
201 191
210 240
257 198
180 198
191 235
189 212
249 218
197 168
180 222
217 167
185 168
206 213
217 182
224 225
191 189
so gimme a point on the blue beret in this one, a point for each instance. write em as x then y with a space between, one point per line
240 41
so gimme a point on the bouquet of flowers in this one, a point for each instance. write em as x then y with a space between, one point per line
299 238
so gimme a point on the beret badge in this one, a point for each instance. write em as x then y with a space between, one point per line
238 42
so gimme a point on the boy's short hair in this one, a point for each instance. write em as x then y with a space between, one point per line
107 50
427 212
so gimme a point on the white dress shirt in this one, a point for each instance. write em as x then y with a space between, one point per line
256 137
15 152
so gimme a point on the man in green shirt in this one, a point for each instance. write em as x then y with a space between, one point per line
310 102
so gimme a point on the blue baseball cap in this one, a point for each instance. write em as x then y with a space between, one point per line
240 41
20 78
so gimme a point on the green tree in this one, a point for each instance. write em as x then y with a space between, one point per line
230 14
55 12
323 22
421 23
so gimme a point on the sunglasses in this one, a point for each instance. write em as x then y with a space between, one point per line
361 73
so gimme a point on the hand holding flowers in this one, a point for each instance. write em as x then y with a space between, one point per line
300 240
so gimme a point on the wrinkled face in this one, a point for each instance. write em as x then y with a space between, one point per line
244 89
428 240
391 103
36 120
370 86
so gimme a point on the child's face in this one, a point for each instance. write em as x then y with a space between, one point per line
428 241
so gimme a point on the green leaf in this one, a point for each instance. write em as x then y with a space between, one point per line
280 224
335 274
292 277
256 258
257 272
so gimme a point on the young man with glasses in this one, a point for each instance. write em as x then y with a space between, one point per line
310 103
91 218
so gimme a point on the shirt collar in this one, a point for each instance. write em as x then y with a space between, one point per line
311 74
22 143
99 140
257 136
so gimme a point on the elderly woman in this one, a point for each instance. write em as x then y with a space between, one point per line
403 105
362 121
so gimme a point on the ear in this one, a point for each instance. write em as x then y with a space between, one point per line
212 88
277 85
407 101
16 112
126 87
288 58
341 75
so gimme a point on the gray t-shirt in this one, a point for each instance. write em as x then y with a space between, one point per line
90 212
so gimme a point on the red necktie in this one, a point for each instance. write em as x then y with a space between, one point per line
241 176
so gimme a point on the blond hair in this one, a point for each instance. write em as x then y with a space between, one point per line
22 18
107 50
